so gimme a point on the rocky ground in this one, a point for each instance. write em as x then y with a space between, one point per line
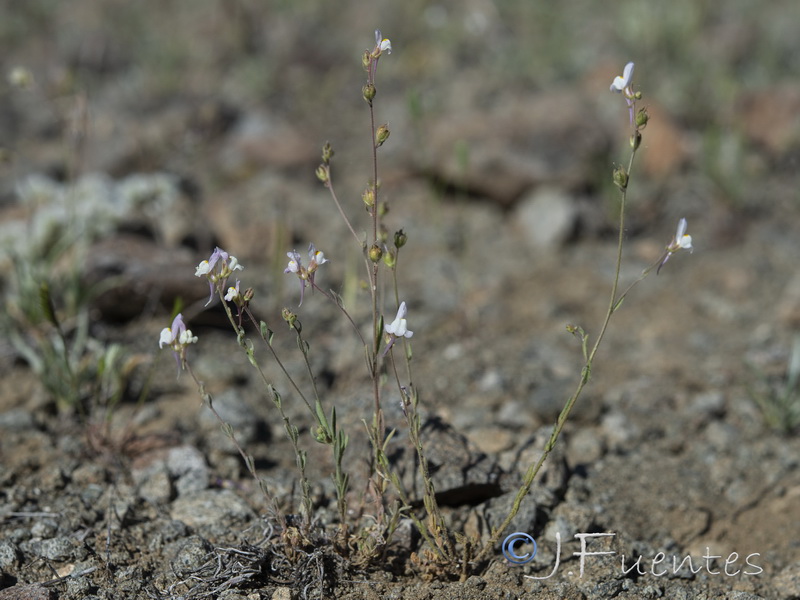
136 140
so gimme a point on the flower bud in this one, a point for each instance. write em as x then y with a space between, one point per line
366 60
321 436
20 78
249 293
400 239
369 197
390 258
322 173
375 253
369 91
381 135
290 317
327 153
620 178
642 118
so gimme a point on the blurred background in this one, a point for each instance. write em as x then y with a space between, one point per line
148 132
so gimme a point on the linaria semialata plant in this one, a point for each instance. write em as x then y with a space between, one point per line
384 492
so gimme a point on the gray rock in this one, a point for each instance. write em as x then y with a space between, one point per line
189 555
234 410
58 548
261 139
44 528
546 218
786 584
17 419
9 555
551 138
211 507
79 587
495 511
33 591
156 486
461 473
144 273
188 466
617 430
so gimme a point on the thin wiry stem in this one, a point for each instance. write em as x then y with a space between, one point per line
614 302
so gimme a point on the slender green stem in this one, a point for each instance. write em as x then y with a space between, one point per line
248 460
586 371
240 333
329 185
406 343
436 526
337 301
373 283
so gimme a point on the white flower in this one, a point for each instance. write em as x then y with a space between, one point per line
177 337
623 83
202 269
316 258
681 241
305 274
233 293
398 327
294 263
382 44
166 337
217 277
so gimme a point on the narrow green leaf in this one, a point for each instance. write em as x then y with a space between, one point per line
321 419
379 333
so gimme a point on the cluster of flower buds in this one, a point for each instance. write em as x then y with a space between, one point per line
323 171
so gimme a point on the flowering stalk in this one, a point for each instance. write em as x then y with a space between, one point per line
381 45
178 337
376 430
621 178
217 269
